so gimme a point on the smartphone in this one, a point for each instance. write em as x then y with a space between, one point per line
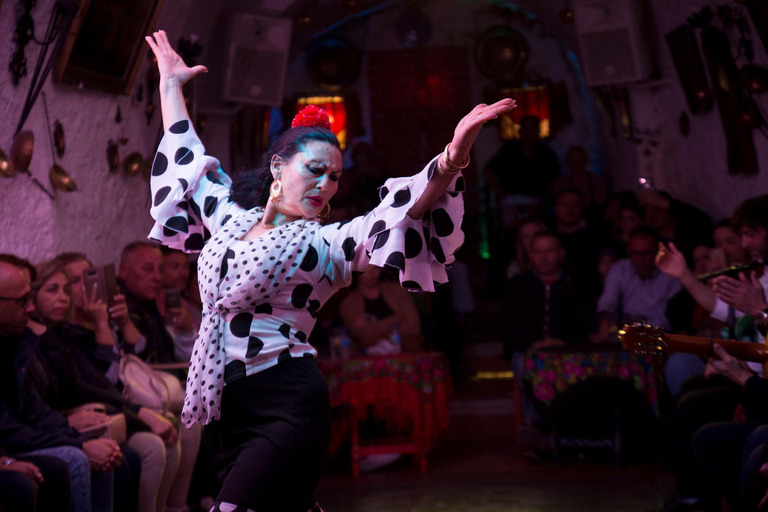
172 298
646 182
105 281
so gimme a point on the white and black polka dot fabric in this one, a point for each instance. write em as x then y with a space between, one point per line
260 297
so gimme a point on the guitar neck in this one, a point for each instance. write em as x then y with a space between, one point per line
742 350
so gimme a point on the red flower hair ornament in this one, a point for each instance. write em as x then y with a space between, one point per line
311 116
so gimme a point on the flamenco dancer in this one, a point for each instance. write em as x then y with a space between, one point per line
267 264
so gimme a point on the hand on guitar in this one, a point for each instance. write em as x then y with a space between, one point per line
727 365
744 294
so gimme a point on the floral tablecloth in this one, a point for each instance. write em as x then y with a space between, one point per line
418 384
550 373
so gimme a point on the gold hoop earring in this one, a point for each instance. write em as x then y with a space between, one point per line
276 190
325 212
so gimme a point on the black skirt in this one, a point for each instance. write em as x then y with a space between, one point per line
275 427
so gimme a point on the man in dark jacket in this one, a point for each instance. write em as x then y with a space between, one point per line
544 307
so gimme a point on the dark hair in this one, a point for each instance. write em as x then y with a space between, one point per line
250 188
547 234
634 208
725 223
569 190
643 232
752 213
20 263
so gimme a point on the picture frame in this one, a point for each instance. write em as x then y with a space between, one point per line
105 44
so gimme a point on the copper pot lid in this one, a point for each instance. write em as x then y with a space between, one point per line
61 180
22 149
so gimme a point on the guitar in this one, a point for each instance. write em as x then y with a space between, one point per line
647 339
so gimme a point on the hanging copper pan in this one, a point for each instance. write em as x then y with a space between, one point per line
133 163
21 150
6 166
61 180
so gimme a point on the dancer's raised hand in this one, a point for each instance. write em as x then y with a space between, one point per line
466 131
172 68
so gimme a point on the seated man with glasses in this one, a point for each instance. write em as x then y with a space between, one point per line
635 289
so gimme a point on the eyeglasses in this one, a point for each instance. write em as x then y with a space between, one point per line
20 301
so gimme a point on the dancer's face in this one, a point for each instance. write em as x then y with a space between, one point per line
310 179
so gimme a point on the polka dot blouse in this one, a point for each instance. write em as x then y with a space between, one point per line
260 296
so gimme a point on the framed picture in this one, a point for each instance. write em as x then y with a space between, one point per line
105 44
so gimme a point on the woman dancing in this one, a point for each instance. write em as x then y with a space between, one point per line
266 266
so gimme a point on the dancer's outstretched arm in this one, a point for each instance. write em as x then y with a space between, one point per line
173 75
463 138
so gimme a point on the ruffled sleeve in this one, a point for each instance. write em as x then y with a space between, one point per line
387 236
190 191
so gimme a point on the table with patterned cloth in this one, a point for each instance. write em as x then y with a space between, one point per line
418 385
551 372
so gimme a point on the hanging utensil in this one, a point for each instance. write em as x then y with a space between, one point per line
133 163
58 138
6 166
113 157
21 150
60 179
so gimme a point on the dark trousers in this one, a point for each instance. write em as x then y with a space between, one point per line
275 428
719 448
701 402
126 490
18 491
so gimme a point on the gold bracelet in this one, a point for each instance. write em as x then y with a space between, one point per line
441 161
451 164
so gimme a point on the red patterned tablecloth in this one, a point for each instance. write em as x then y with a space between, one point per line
550 373
418 384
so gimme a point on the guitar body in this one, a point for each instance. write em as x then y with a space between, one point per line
652 340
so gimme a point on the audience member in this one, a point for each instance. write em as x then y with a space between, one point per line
71 381
27 425
606 258
579 240
635 289
728 240
182 320
376 308
699 403
593 188
543 307
141 281
525 235
141 271
630 218
675 221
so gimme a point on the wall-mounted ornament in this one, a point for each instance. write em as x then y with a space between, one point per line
501 53
413 27
690 69
333 61
58 139
565 15
133 163
113 156
737 113
754 78
61 180
6 166
21 150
